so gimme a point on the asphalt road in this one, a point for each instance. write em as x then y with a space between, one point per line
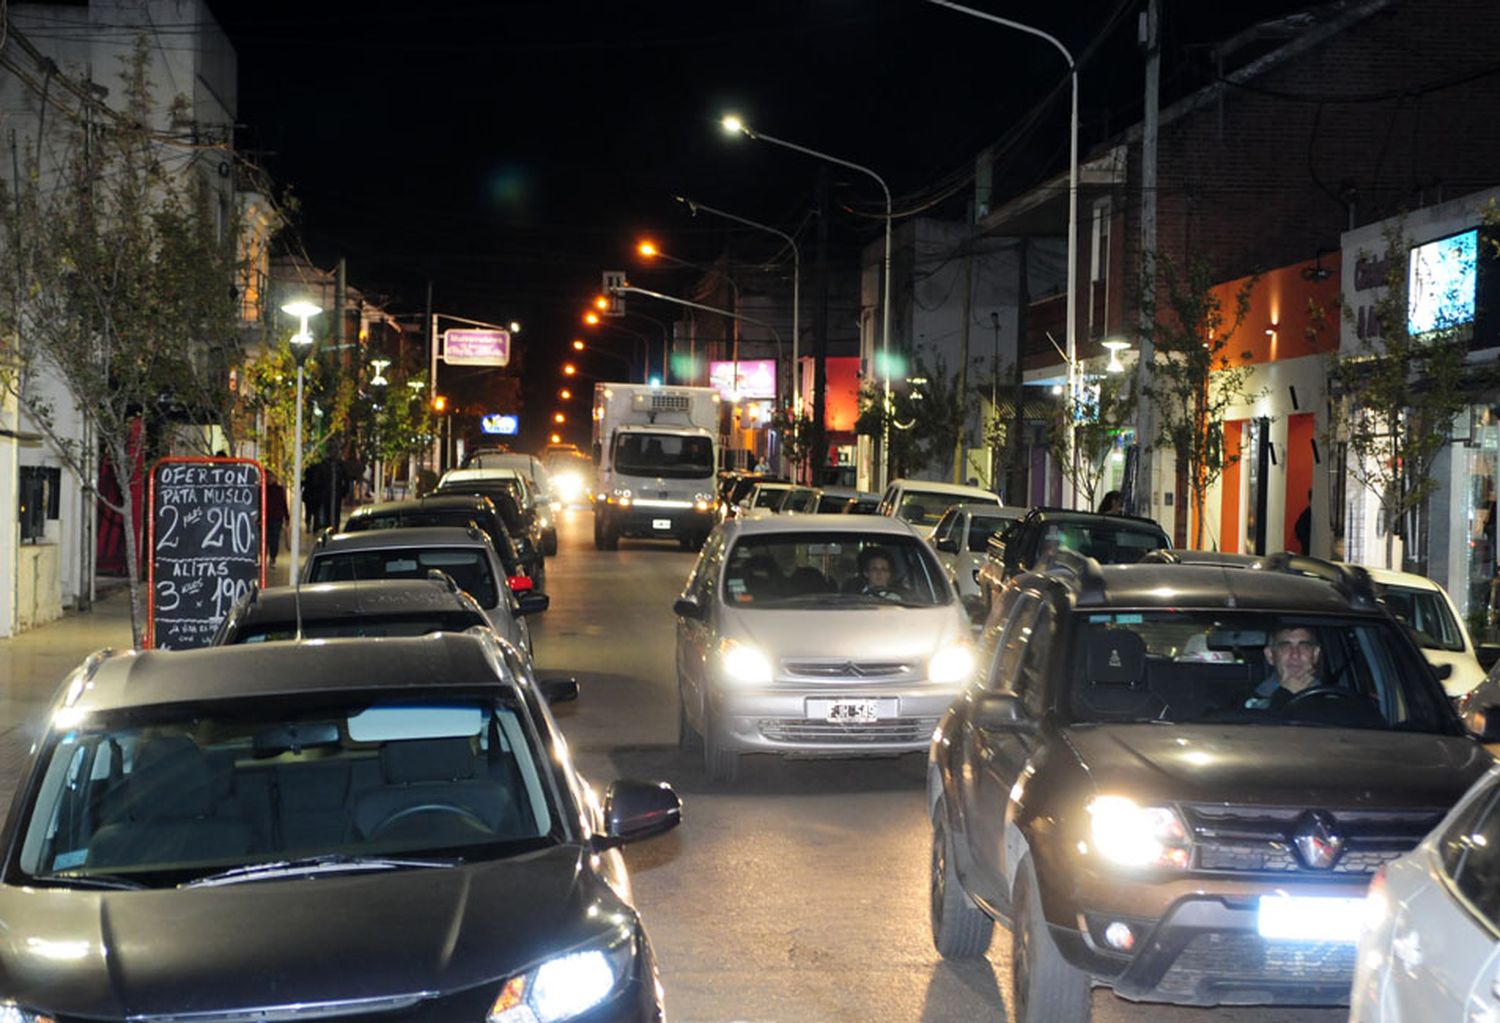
800 892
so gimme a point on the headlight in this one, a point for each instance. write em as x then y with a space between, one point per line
10 1012
1137 836
567 487
744 664
562 988
951 664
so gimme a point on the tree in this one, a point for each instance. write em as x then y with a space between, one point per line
1195 377
926 417
1396 396
796 439
1104 406
116 283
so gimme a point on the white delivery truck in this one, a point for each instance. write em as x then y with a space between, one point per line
657 449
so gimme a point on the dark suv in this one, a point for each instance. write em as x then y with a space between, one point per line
1028 543
1132 789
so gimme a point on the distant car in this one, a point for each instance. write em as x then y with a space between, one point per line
464 554
445 510
1429 950
1428 611
834 500
530 468
1108 539
922 502
766 495
508 491
389 829
735 485
382 608
960 539
572 476
785 645
800 501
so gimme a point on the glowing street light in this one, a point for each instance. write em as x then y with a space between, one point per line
569 369
556 438
1115 346
591 318
565 394
559 418
647 248
601 303
302 343
515 328
578 344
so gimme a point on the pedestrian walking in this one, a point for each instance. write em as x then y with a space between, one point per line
277 515
1302 528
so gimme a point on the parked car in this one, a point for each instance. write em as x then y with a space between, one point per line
799 501
520 520
735 485
960 540
846 501
381 608
385 828
446 510
1176 781
789 640
465 554
1109 539
1428 610
1429 950
922 502
766 496
535 473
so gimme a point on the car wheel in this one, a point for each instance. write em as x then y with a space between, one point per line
598 532
549 542
722 765
960 929
1046 987
611 536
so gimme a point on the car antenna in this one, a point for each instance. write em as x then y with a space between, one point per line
297 607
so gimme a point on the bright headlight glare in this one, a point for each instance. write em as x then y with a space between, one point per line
1137 836
952 664
745 664
559 989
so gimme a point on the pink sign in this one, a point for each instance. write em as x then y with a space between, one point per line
476 347
757 378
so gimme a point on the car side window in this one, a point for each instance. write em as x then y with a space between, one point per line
1005 671
1032 679
945 526
1470 851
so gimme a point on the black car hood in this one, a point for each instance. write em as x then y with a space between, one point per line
319 939
1278 766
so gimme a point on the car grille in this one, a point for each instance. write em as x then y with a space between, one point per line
804 731
1242 960
842 669
1259 839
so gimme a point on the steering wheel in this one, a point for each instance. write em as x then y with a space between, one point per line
1333 701
464 814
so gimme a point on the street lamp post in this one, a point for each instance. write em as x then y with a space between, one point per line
301 343
735 126
796 279
1072 338
650 250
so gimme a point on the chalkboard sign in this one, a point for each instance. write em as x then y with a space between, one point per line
206 544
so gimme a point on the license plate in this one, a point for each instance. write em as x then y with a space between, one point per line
661 523
1310 918
850 712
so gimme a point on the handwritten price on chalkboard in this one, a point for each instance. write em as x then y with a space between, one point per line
236 524
226 592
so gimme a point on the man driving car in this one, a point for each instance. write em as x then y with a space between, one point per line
1296 660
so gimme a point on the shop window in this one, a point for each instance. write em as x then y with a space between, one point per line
38 499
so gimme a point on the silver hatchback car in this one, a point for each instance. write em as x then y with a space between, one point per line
816 635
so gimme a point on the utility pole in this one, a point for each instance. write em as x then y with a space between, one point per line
1143 488
962 393
820 340
335 452
1015 487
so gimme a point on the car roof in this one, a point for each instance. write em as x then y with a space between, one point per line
1065 515
471 475
401 537
146 678
1224 559
1204 587
837 523
1410 580
474 502
938 487
998 511
351 598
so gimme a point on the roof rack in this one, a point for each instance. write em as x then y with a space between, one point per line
1089 581
1351 581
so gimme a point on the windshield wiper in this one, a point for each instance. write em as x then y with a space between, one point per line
328 863
109 881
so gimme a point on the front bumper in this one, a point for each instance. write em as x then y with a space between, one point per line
638 520
1206 949
780 720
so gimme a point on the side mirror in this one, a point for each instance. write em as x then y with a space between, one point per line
948 545
559 690
1484 723
532 603
634 810
520 584
1002 712
1443 671
687 607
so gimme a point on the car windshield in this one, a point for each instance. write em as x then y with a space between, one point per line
831 570
665 455
1188 667
770 497
981 528
411 623
469 567
1427 614
179 793
926 507
1107 542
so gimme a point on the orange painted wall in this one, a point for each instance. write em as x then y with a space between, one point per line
1286 297
1229 489
842 397
1300 429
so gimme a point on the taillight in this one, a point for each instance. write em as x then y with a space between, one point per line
521 584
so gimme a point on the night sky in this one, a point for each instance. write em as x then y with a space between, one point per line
510 151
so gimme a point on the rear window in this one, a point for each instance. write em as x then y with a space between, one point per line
1109 543
469 567
366 626
1428 616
